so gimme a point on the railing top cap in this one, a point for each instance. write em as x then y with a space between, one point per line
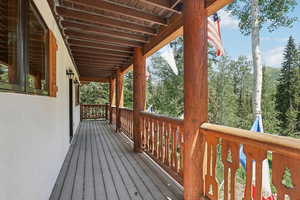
263 138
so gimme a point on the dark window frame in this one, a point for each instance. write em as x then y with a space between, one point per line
77 94
22 51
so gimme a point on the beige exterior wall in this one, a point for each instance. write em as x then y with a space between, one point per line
34 132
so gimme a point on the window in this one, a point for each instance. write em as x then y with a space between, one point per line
77 94
10 69
25 50
37 48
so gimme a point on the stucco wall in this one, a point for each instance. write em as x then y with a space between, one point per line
34 132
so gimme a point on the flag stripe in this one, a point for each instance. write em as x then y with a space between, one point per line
214 35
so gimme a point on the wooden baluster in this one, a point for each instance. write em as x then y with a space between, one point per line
166 143
181 150
258 155
167 129
233 165
175 138
150 136
173 145
280 163
160 149
155 138
211 185
142 131
147 133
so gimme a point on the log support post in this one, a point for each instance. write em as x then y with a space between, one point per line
195 96
119 92
139 95
38 80
111 98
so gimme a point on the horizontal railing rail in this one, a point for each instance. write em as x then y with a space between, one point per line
223 173
224 176
93 111
162 140
126 115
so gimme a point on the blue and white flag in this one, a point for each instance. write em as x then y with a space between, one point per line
266 187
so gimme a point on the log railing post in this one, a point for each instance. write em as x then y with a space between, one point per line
195 96
111 98
139 95
119 88
106 111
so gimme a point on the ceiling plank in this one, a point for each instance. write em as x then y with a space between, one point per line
99 58
100 52
97 61
108 65
102 20
100 38
90 55
94 79
121 10
175 28
164 4
82 43
98 29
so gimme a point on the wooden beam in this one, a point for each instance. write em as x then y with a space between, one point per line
102 20
121 10
102 52
70 25
174 3
100 74
213 7
195 96
83 43
165 36
164 4
175 28
139 96
119 88
94 79
112 97
79 35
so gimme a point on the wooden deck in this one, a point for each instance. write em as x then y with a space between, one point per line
100 164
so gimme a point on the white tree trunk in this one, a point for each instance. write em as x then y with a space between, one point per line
256 56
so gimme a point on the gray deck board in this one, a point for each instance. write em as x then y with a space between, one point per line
100 165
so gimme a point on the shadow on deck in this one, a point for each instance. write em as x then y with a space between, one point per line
100 164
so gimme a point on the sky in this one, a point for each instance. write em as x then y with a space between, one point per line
272 43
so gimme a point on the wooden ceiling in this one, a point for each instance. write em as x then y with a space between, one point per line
101 34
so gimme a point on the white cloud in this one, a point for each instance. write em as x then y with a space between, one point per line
227 21
274 57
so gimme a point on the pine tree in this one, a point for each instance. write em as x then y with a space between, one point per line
286 96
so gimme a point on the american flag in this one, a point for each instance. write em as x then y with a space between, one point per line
214 34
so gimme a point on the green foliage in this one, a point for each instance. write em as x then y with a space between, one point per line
273 14
287 97
230 90
94 93
128 90
165 89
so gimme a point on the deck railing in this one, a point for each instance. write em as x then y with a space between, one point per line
224 177
95 111
127 121
223 174
114 115
162 140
